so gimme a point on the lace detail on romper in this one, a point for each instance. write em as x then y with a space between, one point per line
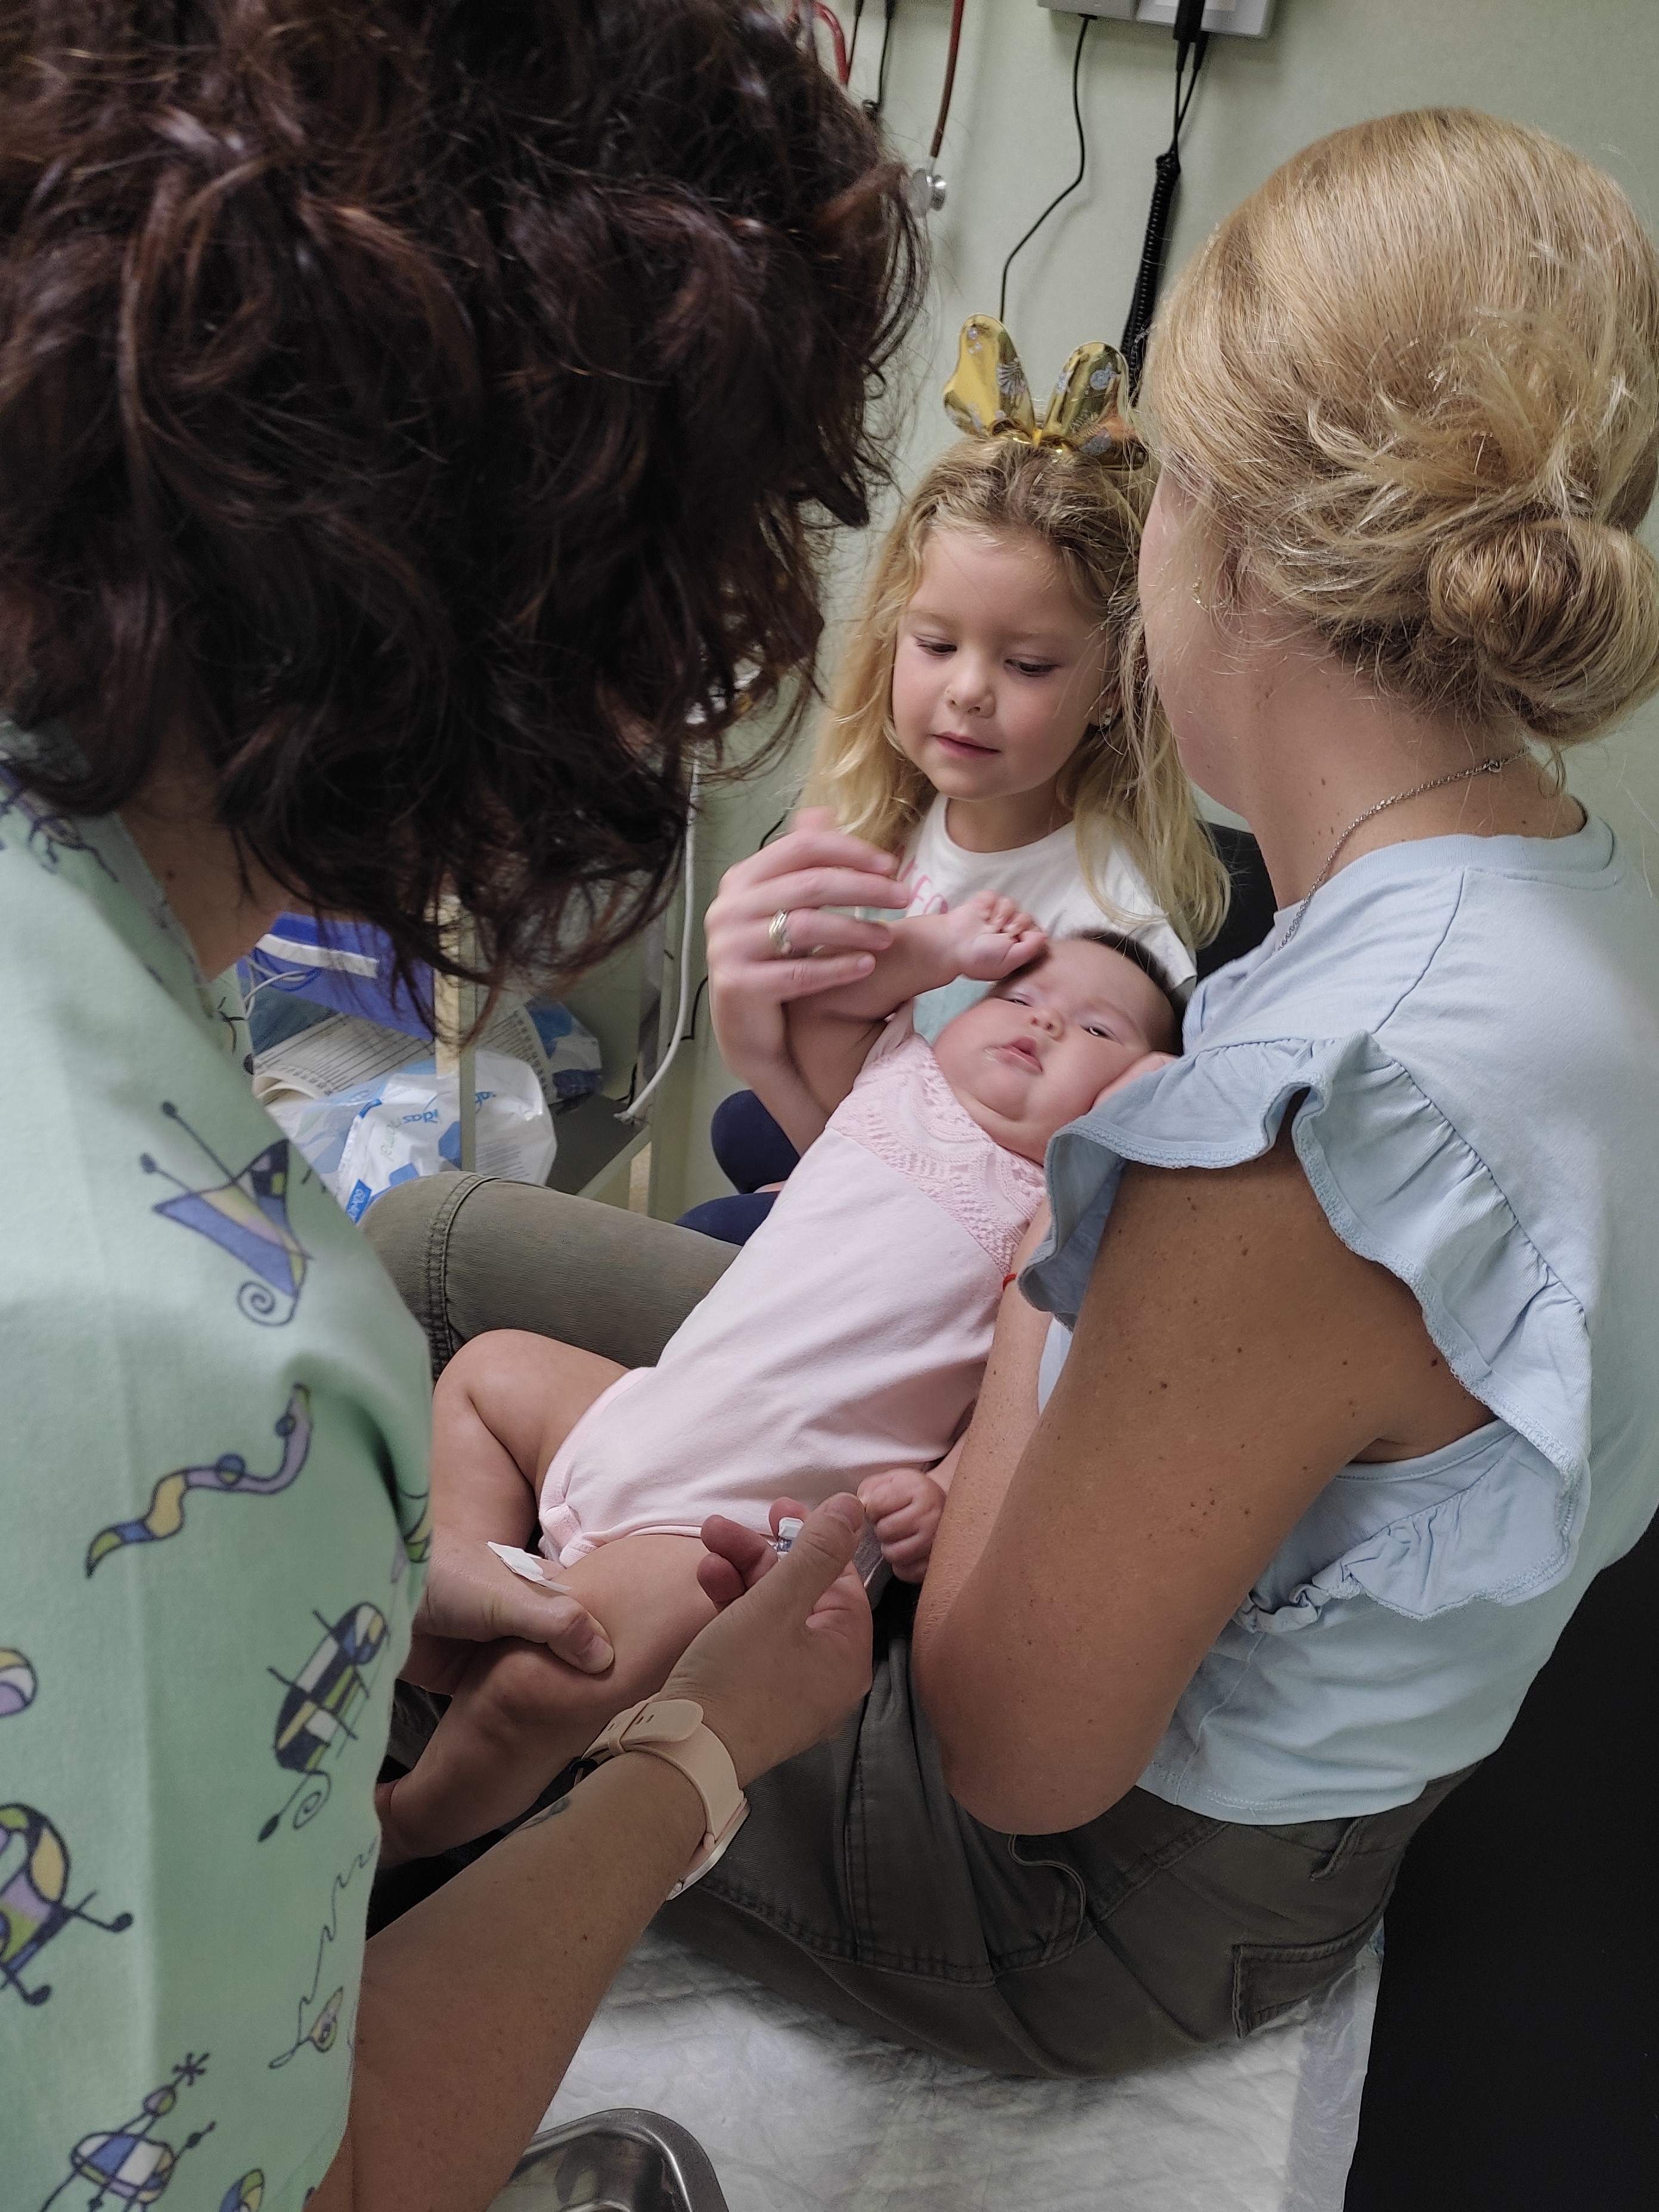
902 1110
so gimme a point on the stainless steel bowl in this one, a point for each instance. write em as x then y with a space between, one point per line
620 2161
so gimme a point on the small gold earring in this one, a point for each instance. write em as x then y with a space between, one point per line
1198 600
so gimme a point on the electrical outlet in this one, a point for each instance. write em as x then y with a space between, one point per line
1236 19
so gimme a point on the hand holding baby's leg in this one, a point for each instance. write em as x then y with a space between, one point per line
904 1508
502 1407
519 1714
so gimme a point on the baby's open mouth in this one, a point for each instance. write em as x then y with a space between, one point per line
1026 1055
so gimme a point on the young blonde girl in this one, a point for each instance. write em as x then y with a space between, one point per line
1020 536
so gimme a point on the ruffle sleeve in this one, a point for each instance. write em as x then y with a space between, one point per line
1497 1516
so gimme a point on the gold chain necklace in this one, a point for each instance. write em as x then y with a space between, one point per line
1494 765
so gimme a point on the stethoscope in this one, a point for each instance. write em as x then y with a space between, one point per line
925 189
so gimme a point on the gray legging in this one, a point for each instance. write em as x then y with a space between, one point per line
857 1885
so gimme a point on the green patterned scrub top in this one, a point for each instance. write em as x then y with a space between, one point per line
214 1435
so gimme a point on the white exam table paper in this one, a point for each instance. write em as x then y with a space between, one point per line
801 2114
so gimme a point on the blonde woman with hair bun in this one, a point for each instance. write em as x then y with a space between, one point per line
1451 511
1332 1387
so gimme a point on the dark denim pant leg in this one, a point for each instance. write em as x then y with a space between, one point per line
751 1150
748 1145
732 1219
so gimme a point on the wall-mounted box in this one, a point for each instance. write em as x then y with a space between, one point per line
1236 19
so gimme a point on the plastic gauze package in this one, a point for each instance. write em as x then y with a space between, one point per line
413 1128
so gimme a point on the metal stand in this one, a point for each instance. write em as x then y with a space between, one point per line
454 1010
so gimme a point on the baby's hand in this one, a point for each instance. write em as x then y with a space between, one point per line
903 1507
991 937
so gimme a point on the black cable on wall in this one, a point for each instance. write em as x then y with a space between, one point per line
873 108
1190 41
1082 164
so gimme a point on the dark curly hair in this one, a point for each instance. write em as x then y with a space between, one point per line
429 413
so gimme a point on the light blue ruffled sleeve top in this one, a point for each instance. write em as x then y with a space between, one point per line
1466 1033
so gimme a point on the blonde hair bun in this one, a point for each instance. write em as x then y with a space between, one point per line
1562 615
1414 381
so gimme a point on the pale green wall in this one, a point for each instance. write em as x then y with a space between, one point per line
1586 69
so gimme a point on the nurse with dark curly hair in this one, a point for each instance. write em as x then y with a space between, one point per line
414 419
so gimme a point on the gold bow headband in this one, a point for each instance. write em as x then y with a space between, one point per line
988 396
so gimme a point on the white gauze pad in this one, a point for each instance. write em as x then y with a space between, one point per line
528 1567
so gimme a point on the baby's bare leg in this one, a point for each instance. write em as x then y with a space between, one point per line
502 1408
521 1714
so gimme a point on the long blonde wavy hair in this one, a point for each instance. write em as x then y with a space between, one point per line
1124 786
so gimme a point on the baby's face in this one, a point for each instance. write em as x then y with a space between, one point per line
1039 1050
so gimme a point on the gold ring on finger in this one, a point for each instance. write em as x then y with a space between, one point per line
777 931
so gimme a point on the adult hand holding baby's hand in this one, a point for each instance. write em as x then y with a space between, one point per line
992 936
789 1655
812 869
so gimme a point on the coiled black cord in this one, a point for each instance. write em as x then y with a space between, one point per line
1192 41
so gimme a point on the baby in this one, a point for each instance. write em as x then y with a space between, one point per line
843 1349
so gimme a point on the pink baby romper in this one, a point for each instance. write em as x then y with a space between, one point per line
848 1336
